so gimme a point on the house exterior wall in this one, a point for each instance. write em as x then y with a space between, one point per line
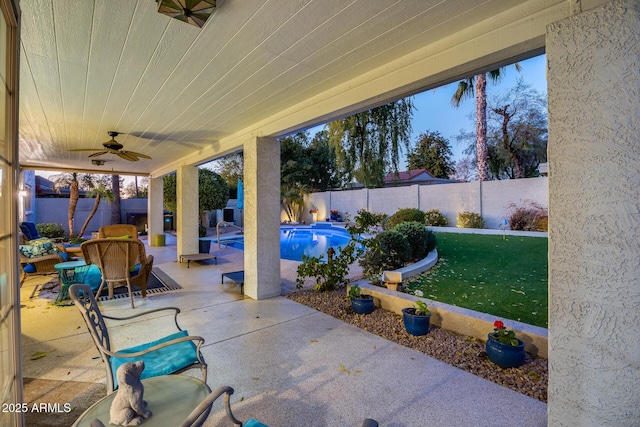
594 224
489 198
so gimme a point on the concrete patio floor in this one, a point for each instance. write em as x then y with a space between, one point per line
290 365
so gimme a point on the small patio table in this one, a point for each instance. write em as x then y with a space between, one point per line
70 272
170 398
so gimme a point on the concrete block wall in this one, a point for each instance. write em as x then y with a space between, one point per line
489 198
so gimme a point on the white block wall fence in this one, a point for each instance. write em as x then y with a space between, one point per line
489 198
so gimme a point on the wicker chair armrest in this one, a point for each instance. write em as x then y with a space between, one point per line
200 341
44 261
208 402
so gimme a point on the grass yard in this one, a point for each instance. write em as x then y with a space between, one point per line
503 277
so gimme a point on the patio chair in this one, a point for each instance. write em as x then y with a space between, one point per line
38 265
173 354
121 262
30 230
118 230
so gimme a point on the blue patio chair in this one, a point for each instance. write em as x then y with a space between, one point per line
30 230
172 354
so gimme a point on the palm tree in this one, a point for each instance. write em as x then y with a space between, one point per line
100 191
292 198
72 180
464 90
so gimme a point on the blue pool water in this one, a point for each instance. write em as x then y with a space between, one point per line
309 241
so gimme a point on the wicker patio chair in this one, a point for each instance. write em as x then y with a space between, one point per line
175 353
40 265
118 230
121 262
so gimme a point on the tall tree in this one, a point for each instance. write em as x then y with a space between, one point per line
516 134
518 131
230 168
116 217
432 152
464 90
368 144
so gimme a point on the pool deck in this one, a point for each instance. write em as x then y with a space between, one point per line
289 364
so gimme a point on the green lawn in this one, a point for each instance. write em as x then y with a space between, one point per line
504 277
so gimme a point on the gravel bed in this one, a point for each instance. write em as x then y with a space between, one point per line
461 351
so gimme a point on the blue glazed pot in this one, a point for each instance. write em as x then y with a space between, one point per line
505 355
414 324
363 304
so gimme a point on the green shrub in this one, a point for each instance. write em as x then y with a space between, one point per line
51 230
434 218
416 234
331 274
470 220
389 250
365 222
403 215
529 216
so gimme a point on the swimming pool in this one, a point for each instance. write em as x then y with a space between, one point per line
298 241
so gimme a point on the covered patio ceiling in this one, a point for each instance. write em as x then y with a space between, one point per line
185 95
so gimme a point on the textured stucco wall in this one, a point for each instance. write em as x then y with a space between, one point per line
594 230
262 218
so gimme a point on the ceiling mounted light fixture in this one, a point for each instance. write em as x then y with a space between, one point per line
194 12
97 162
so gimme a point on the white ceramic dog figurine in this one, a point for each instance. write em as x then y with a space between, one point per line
128 407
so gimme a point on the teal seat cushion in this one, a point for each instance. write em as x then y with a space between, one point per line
254 423
164 361
93 277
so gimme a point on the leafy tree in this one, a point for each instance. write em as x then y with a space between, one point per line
466 170
519 132
213 191
137 189
368 144
99 191
432 152
308 164
230 168
464 90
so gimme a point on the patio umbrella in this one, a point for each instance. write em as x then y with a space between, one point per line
240 203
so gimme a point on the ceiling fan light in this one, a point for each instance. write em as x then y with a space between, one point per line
194 12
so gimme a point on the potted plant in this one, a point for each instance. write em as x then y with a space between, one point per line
503 348
417 318
335 215
360 303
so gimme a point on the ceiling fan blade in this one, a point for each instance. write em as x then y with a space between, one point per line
127 156
99 153
133 153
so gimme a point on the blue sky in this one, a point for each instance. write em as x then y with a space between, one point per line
434 111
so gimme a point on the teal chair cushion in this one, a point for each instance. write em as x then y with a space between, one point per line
254 423
164 361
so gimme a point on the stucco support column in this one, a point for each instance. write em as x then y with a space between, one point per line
155 209
262 218
187 205
594 209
